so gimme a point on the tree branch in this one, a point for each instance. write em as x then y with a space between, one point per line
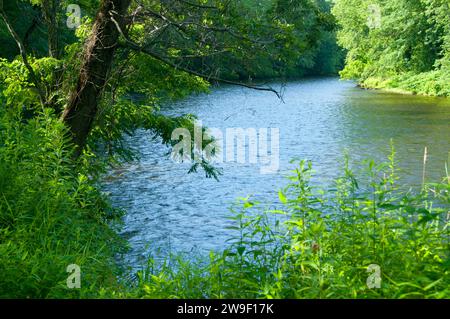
23 54
196 5
136 47
207 77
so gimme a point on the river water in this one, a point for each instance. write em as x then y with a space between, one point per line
169 210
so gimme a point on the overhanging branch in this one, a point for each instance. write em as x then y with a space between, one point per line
196 73
136 47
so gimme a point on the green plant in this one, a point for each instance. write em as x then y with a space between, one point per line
326 243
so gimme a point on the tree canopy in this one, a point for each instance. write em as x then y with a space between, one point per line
153 49
410 46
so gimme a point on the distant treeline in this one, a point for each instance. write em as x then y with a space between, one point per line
314 52
401 44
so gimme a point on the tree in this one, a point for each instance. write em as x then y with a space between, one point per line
217 41
412 36
181 34
97 61
50 9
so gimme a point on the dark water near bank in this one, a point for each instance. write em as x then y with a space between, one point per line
320 120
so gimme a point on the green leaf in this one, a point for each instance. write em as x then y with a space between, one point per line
282 197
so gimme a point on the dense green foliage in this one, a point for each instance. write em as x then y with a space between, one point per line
318 244
313 42
401 44
52 214
313 50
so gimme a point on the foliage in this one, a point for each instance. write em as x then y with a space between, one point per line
306 36
408 50
52 213
24 15
324 242
317 244
131 100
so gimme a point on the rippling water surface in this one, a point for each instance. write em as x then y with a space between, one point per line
319 120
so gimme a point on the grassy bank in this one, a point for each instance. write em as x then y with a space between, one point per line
52 214
434 83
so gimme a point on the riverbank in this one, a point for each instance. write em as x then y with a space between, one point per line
435 83
340 242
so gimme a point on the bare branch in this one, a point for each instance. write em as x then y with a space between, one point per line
130 44
136 47
196 5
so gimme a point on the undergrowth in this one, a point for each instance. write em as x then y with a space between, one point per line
360 238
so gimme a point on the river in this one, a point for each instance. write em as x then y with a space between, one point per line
320 119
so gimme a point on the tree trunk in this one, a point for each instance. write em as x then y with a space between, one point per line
97 61
50 10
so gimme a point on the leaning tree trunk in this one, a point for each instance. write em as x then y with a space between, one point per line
97 60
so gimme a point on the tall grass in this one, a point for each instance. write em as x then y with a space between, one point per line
51 214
